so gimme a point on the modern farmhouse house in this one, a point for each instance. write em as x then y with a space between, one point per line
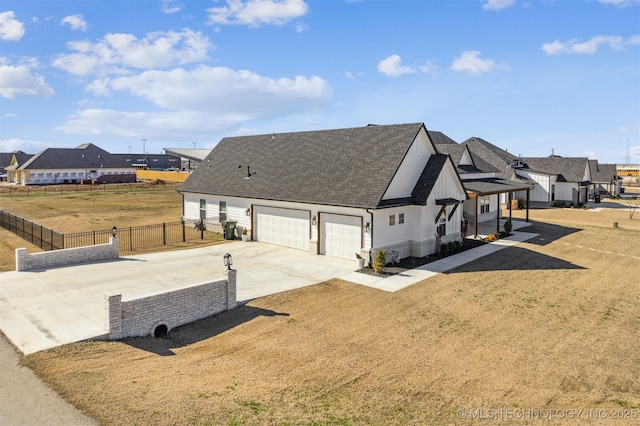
72 165
334 192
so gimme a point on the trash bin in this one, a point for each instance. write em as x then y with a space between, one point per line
622 190
229 229
596 198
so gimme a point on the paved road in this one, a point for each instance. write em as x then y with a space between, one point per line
25 400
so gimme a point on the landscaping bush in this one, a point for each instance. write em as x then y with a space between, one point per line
508 226
457 245
444 247
380 260
451 246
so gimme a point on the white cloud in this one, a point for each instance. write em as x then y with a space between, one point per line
25 145
392 67
171 6
497 4
620 3
589 47
76 22
208 99
19 80
470 61
116 53
10 28
256 12
428 67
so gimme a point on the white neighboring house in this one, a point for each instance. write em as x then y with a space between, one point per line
86 162
557 179
482 182
333 192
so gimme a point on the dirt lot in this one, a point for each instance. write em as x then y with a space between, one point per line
550 324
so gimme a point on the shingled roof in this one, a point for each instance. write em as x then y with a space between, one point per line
568 169
602 173
344 167
6 157
83 156
498 158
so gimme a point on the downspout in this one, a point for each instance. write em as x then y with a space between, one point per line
371 235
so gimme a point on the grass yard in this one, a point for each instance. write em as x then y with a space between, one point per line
553 323
88 211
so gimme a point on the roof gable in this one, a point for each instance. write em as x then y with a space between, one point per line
568 169
346 167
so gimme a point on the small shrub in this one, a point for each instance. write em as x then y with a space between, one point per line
444 248
451 246
380 260
508 226
457 245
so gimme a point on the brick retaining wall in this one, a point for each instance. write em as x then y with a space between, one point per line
140 317
65 257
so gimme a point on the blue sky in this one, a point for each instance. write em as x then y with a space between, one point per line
528 76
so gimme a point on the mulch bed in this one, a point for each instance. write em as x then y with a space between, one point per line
413 262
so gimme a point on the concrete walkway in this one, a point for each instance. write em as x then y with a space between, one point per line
47 308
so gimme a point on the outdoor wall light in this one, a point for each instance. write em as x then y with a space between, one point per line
113 231
367 227
247 212
228 261
314 221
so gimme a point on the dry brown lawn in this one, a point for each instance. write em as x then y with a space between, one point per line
553 323
88 211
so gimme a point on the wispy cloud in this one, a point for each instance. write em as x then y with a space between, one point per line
116 53
257 12
497 4
589 47
620 3
21 80
392 67
10 28
76 22
170 7
470 61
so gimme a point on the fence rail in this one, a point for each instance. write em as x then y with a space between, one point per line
131 239
53 190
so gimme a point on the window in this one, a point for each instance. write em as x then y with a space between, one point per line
401 218
484 204
203 208
442 224
222 206
392 219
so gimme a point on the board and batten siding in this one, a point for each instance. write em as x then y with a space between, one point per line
541 192
411 168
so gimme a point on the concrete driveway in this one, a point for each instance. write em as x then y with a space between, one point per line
47 308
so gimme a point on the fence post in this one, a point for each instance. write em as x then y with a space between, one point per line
184 236
94 237
164 234
202 229
130 239
51 240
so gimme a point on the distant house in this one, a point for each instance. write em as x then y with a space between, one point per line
151 161
86 162
604 179
565 179
333 192
11 160
481 180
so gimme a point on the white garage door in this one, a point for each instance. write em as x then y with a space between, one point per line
341 235
284 227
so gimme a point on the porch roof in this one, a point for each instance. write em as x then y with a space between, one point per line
489 186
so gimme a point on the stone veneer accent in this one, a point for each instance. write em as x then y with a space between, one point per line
140 317
415 248
65 257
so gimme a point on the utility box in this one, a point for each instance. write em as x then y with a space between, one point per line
229 229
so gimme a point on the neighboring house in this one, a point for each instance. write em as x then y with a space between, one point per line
334 192
481 181
151 161
557 179
11 160
604 179
86 162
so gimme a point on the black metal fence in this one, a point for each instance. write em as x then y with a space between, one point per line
53 190
131 239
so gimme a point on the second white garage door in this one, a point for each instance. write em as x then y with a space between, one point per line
284 227
341 235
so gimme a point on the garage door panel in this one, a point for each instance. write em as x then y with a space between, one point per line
341 235
284 227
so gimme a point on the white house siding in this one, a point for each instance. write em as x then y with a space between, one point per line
54 176
541 192
411 168
237 211
494 209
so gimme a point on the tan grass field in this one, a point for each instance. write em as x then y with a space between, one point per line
550 324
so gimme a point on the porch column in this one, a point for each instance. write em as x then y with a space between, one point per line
475 216
510 209
527 216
